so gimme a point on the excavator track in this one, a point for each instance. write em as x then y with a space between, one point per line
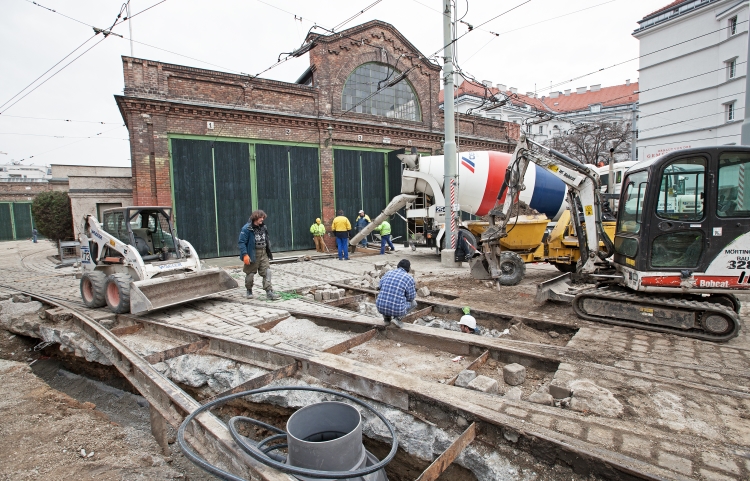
612 306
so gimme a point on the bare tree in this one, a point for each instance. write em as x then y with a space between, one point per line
590 143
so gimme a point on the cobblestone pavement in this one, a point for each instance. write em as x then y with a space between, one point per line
685 403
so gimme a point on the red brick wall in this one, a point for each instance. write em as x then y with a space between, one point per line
162 99
26 191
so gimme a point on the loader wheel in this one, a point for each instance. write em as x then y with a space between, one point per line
512 269
118 293
93 285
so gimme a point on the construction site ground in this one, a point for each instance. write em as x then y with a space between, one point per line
663 406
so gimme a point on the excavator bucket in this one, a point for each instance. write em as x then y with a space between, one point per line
555 289
168 291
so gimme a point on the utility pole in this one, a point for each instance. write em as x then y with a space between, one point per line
745 138
634 133
130 28
449 150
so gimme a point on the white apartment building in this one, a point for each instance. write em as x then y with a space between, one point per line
25 173
570 108
692 75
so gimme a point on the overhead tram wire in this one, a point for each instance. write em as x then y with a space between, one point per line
62 120
59 136
536 23
687 120
641 56
47 71
468 25
66 145
356 15
51 76
691 140
690 105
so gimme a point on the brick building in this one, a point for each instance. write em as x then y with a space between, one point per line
216 145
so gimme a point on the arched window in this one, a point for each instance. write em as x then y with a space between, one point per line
398 101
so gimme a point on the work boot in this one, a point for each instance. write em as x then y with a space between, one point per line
249 294
397 322
272 296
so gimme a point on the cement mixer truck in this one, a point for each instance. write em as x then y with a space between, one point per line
481 175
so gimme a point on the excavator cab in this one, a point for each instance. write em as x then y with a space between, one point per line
682 243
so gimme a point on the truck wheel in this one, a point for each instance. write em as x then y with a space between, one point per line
118 293
512 269
562 267
92 289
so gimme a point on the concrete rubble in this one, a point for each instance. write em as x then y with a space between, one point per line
371 279
465 377
28 318
484 384
588 397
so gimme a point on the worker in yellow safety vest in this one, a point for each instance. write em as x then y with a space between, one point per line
385 236
318 230
341 227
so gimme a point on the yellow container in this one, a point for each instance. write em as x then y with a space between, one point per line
523 234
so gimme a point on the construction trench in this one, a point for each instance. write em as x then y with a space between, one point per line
498 405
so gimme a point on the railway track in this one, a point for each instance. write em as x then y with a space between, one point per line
533 428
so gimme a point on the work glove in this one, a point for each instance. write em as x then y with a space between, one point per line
246 260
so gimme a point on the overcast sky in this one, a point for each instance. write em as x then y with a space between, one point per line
541 42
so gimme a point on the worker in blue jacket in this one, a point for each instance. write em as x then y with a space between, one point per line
255 252
362 222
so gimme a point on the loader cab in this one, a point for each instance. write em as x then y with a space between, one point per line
679 211
148 229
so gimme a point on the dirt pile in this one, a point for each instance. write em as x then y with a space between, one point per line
46 433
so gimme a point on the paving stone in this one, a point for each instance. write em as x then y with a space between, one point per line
559 389
513 394
519 413
567 427
588 397
542 398
542 420
484 384
675 463
465 377
636 445
713 476
514 374
721 462
600 435
423 291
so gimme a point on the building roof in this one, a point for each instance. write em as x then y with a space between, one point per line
666 7
606 96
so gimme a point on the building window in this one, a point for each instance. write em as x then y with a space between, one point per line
730 111
541 129
731 68
528 128
595 109
732 26
398 101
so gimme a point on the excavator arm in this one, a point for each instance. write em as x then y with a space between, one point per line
583 193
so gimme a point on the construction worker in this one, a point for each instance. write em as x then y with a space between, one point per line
467 323
341 227
362 222
255 252
385 236
318 230
34 233
397 294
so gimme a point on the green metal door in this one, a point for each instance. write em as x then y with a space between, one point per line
374 183
233 193
347 182
6 222
22 220
194 196
305 179
274 193
398 225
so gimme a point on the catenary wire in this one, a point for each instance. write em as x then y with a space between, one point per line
47 71
62 120
356 15
687 120
66 145
59 136
690 105
51 76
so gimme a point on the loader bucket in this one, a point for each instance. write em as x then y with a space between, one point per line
555 289
168 291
